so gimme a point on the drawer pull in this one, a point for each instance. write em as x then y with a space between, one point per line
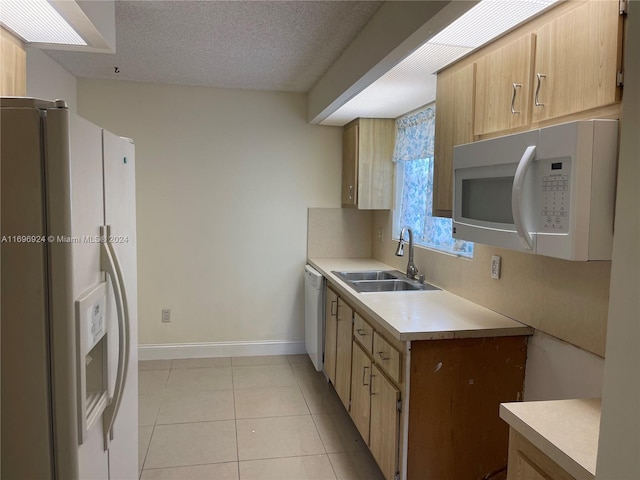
382 356
362 332
364 375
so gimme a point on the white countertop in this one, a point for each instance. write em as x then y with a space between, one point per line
564 430
419 315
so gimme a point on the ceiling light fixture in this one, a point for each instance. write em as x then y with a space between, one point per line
488 20
36 21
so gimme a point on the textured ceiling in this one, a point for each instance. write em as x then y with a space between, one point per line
263 45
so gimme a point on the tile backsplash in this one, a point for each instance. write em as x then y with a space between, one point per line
339 232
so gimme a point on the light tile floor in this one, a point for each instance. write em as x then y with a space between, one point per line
249 418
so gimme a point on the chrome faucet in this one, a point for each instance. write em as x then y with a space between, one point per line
412 270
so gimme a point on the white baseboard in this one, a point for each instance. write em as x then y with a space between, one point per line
219 349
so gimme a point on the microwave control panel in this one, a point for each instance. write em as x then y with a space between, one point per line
555 180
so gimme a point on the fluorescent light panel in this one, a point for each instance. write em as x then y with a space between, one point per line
36 21
487 20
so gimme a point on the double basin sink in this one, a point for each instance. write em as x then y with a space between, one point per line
382 281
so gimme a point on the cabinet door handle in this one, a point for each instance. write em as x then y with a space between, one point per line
350 192
382 356
333 303
536 99
371 392
364 375
362 332
516 86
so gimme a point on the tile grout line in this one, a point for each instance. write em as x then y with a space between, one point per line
235 417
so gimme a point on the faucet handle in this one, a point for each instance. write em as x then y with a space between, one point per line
421 278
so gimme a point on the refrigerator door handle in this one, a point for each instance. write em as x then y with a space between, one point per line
109 263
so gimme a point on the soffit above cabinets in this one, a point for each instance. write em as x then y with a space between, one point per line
411 83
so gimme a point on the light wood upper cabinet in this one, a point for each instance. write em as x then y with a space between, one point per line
360 392
455 93
342 382
330 333
578 56
350 166
367 169
383 436
13 65
503 86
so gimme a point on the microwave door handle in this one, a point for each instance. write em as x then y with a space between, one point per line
516 196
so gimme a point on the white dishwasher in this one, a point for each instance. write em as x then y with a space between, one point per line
314 315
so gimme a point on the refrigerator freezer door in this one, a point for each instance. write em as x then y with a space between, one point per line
120 216
87 216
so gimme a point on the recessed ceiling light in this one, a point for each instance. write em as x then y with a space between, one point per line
487 20
36 21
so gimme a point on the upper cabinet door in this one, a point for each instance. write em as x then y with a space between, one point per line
350 166
577 59
454 126
503 83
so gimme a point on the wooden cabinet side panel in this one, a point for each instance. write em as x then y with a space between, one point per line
375 169
13 63
383 438
330 335
456 387
350 165
360 393
496 75
579 53
455 104
343 352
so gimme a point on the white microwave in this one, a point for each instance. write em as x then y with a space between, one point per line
549 191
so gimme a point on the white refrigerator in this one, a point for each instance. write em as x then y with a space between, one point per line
69 376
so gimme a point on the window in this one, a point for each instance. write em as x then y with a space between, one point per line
413 155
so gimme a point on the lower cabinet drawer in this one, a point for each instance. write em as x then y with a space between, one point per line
363 333
386 357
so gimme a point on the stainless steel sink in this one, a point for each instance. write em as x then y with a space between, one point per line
369 275
382 281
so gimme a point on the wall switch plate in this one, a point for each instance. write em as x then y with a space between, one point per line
496 265
166 315
380 234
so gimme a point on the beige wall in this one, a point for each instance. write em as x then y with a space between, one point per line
224 179
565 299
48 80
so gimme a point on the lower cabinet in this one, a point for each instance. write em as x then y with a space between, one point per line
337 344
330 333
374 410
450 397
361 391
385 417
342 383
527 462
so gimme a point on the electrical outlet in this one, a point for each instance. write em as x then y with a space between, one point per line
166 315
496 265
380 234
